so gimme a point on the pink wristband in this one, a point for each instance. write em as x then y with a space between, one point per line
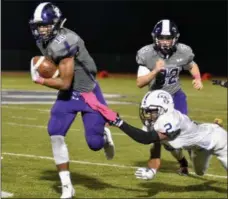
196 76
40 80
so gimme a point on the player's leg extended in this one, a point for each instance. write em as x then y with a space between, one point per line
179 156
200 160
109 144
97 136
60 120
220 149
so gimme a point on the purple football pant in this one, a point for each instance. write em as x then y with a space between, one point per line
64 111
180 102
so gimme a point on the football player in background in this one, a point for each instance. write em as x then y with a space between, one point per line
160 64
172 127
223 83
220 83
78 89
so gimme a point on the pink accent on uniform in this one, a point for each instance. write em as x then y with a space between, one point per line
196 76
40 80
91 99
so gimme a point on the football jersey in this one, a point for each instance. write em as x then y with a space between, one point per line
190 136
67 44
180 59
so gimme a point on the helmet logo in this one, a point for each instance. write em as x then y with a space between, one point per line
164 97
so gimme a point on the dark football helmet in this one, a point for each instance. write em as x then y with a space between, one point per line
165 37
47 20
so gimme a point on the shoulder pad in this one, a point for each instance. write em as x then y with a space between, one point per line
184 48
142 54
65 44
186 51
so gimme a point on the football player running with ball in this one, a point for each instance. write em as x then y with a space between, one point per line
78 89
159 66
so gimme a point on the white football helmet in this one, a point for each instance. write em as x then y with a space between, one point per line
154 104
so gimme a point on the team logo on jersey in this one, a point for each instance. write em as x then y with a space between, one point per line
59 39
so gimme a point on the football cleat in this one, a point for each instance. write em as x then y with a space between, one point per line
109 147
67 191
183 171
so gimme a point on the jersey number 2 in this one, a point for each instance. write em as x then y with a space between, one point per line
168 127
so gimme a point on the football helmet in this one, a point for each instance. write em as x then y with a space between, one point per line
165 37
46 21
153 105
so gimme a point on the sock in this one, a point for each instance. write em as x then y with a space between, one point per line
65 177
105 136
183 162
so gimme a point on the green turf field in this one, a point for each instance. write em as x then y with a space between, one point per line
29 172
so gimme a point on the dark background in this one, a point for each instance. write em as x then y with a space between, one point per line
114 30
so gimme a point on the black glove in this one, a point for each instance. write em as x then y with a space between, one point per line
216 82
118 121
160 79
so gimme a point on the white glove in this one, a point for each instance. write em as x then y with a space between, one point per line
145 173
197 84
34 73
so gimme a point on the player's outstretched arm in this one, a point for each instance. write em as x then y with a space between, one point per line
137 134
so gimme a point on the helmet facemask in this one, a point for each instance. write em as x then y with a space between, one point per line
165 38
165 44
46 26
150 114
45 31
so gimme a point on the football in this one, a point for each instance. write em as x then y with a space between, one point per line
45 67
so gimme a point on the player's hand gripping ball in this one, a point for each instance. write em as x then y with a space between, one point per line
45 67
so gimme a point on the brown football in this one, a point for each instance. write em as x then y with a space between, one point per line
45 67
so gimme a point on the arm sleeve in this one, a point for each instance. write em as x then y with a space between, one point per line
142 70
139 135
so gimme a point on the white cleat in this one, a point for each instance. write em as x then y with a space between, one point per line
109 147
67 191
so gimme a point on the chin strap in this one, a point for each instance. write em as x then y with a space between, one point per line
62 23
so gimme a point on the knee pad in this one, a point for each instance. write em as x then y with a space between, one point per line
199 173
59 149
95 138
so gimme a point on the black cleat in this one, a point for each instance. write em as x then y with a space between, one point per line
183 171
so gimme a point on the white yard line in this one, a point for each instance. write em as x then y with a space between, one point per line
92 163
45 127
6 194
24 118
